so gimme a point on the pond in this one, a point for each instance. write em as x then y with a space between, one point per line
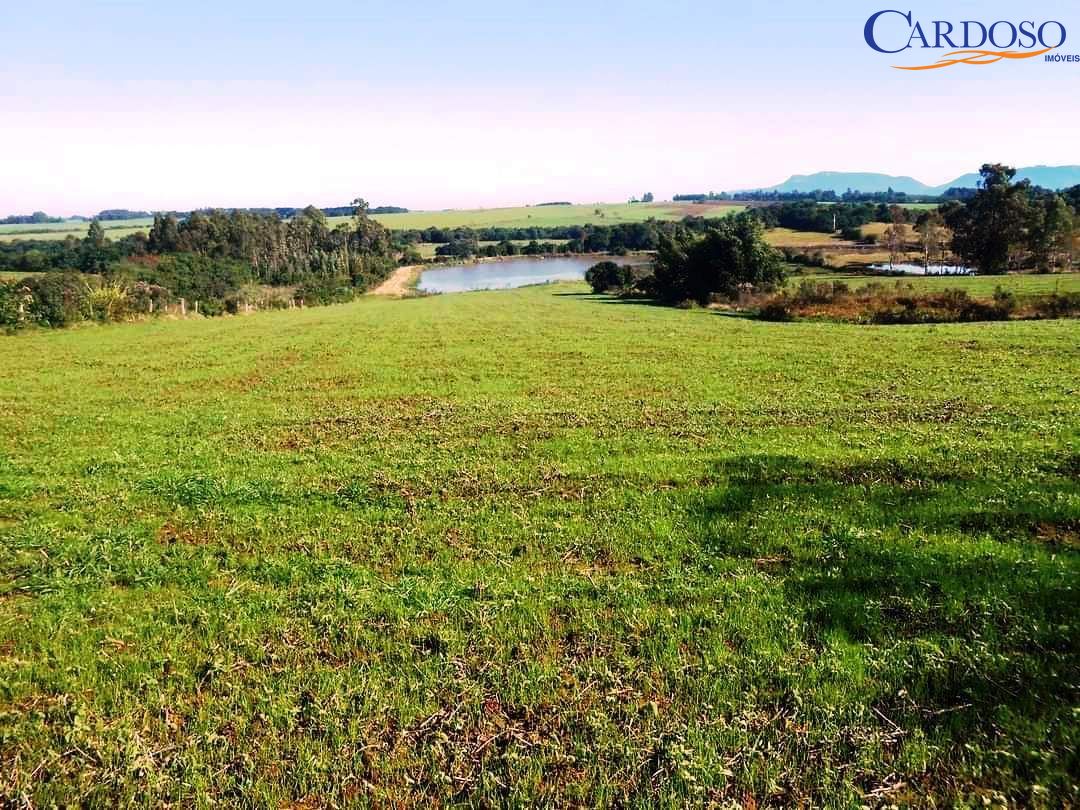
919 270
506 274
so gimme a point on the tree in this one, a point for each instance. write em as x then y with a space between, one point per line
94 255
731 253
933 237
164 234
647 197
605 276
95 235
990 228
895 235
1051 233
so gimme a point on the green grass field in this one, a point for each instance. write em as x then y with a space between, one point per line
548 215
539 547
62 230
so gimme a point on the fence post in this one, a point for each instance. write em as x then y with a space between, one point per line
150 308
196 307
183 307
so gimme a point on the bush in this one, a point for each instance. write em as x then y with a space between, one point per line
148 298
801 257
819 292
59 299
777 309
1004 300
605 276
947 306
15 303
1057 305
876 303
108 302
326 290
731 253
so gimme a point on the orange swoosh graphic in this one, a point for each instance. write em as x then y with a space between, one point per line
975 58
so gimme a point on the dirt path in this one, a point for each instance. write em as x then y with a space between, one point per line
400 281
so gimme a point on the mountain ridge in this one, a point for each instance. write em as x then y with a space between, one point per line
1052 177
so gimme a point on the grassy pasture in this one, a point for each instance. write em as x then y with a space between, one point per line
550 215
538 547
62 230
786 237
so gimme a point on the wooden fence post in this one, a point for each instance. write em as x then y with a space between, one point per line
183 307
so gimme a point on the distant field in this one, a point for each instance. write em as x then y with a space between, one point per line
61 230
786 237
549 215
520 217
1020 284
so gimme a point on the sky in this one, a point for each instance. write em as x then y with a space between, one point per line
430 105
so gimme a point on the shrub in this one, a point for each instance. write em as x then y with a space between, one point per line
59 299
197 278
947 306
801 257
777 308
261 297
108 302
1004 300
148 298
876 303
15 303
819 292
1057 305
605 276
326 290
731 253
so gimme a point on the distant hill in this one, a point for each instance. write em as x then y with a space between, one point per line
1053 177
857 181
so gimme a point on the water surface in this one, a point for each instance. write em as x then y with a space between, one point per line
506 274
919 270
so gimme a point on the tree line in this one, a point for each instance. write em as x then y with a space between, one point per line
825 218
222 260
124 214
1009 225
36 218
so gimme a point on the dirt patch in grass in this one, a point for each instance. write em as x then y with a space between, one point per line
401 282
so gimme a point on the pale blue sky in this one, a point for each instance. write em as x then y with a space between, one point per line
153 105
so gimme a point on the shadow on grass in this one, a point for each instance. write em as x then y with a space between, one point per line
960 589
604 298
